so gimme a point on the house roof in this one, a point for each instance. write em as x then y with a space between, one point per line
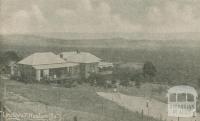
79 57
41 59
105 64
57 65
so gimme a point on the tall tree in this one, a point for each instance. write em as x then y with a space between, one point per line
149 70
10 56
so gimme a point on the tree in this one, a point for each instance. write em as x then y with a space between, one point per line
137 83
6 58
149 70
125 82
11 56
198 82
137 78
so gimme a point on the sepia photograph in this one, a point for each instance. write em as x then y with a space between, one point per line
99 60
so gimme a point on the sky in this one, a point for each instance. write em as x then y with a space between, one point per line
99 16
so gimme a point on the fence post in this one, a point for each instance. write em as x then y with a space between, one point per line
160 117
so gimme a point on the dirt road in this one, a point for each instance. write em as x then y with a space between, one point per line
154 109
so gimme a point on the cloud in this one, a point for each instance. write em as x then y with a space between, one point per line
85 5
93 20
100 16
38 14
19 22
173 17
25 21
85 17
39 21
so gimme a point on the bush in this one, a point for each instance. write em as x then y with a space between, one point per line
79 81
101 80
198 82
149 70
125 83
158 90
138 78
122 74
70 83
8 56
198 106
137 83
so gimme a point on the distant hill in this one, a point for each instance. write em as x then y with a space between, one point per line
130 41
130 36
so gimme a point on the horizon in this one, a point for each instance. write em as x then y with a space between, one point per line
179 36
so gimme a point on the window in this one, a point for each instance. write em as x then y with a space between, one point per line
76 70
66 70
70 69
172 97
181 97
190 98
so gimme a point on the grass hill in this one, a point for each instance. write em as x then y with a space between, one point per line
81 101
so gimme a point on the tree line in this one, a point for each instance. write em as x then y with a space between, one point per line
6 58
125 77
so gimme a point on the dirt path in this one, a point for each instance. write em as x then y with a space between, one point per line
155 108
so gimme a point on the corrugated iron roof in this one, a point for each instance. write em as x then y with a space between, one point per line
105 64
41 59
80 57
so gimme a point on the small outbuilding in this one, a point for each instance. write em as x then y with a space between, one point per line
105 68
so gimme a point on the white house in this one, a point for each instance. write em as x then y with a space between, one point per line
46 65
87 61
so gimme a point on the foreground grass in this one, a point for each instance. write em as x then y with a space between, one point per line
82 98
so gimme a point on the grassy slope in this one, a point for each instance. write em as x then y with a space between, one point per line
82 99
148 90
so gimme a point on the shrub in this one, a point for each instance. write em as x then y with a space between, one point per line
137 83
79 81
70 83
125 83
101 80
198 82
198 106
149 70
